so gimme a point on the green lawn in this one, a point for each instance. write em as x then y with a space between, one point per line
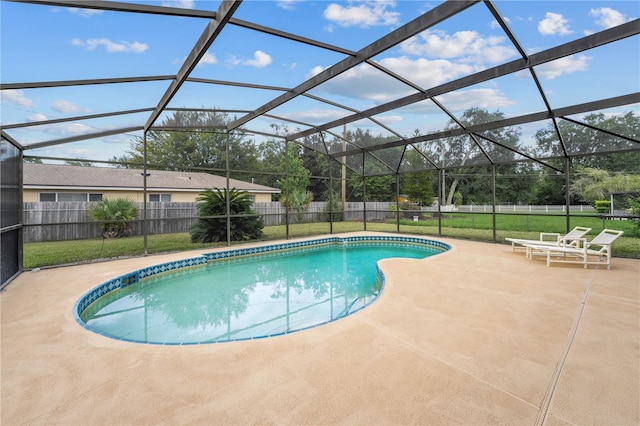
463 226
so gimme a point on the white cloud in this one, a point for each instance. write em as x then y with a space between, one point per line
389 119
467 46
462 100
566 65
62 129
554 23
233 60
494 24
482 97
287 4
64 106
70 129
208 59
110 46
362 14
366 83
607 17
85 13
315 71
37 117
427 73
314 116
260 60
15 97
184 4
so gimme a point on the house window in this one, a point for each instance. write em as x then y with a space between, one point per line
72 196
47 196
159 198
69 196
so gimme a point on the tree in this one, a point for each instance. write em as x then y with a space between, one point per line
584 144
318 165
116 216
418 187
202 147
582 141
270 155
464 151
245 224
298 175
378 188
295 196
549 189
595 184
80 163
379 168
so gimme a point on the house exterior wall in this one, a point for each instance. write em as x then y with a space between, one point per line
31 195
262 198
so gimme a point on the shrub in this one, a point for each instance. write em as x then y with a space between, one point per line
457 198
603 206
393 208
408 209
634 209
333 205
213 203
115 216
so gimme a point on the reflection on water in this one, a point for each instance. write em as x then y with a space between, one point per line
246 298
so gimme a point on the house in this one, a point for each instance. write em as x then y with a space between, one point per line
54 182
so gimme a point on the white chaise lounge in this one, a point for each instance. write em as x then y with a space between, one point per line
552 239
598 248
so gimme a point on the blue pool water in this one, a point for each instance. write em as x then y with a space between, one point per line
247 297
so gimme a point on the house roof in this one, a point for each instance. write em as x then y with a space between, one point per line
77 177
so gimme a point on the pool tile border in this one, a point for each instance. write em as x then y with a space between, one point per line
135 276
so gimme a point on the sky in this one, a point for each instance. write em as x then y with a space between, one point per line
46 43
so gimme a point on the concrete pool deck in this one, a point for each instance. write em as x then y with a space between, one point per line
477 335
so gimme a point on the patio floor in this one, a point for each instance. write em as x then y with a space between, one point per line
477 335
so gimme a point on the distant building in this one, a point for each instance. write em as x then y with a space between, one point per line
53 182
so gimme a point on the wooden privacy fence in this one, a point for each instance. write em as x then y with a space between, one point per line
56 221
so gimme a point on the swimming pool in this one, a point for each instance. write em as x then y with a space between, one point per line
246 293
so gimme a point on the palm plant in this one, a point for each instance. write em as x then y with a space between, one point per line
297 201
212 210
115 216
